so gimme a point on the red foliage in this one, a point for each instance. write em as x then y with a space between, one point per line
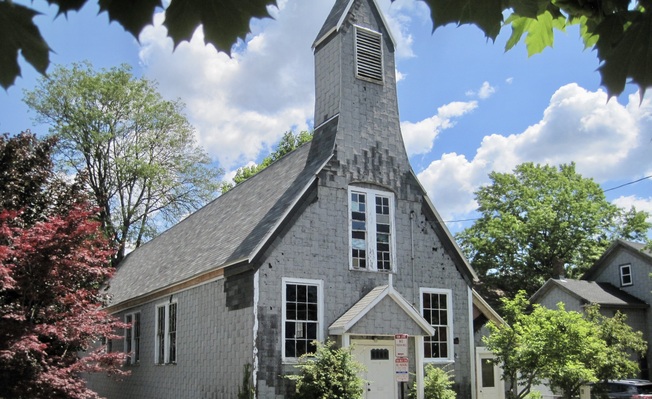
51 274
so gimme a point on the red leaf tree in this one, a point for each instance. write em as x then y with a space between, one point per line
53 262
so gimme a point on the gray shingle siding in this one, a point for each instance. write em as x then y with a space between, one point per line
214 343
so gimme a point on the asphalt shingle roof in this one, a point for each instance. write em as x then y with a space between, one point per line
229 229
604 294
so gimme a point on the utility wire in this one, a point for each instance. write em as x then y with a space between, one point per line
609 189
627 184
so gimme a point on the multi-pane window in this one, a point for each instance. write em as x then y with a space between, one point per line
166 333
302 315
371 229
626 275
132 338
436 309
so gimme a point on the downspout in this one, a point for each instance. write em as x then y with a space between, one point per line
254 369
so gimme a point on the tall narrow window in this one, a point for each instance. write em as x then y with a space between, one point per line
302 316
371 229
172 333
368 54
626 275
132 338
166 333
436 308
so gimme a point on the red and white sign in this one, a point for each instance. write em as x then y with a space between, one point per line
401 366
401 344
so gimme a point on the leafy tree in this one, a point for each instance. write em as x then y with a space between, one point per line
144 168
541 222
329 373
53 260
617 29
561 347
289 142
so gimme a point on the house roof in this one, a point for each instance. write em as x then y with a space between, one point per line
231 229
356 312
590 292
336 18
618 245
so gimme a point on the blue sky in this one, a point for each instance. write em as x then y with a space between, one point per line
467 107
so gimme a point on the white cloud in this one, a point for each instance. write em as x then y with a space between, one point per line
420 136
242 105
485 91
606 140
641 204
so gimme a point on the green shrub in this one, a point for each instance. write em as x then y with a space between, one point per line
329 373
246 391
437 384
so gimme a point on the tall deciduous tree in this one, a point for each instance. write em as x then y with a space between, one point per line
617 29
144 168
562 348
53 260
289 142
541 222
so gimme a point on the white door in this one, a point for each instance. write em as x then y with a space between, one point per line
490 385
378 360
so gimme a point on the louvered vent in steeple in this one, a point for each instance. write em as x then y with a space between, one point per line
368 54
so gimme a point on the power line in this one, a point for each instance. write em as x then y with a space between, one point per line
609 189
627 184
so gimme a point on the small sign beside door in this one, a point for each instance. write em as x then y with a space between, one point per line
401 343
401 369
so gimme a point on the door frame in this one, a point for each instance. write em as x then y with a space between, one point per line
482 352
355 342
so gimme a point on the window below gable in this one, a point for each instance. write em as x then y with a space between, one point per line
368 54
437 309
371 230
302 316
626 275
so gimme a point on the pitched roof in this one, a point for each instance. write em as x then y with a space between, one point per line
589 292
336 18
619 244
228 230
355 313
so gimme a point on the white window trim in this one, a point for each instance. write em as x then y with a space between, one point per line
631 279
131 359
372 262
449 320
320 311
166 343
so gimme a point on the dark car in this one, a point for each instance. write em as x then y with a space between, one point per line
623 389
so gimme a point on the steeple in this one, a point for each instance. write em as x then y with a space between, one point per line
355 80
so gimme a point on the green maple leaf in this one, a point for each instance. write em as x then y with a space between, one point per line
540 30
19 33
624 48
132 15
486 14
224 21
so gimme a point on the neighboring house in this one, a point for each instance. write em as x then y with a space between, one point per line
335 240
618 281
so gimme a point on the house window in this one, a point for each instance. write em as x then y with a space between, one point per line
368 55
132 338
302 316
436 308
166 333
626 275
371 229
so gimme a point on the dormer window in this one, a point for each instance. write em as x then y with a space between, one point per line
371 227
368 55
626 275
